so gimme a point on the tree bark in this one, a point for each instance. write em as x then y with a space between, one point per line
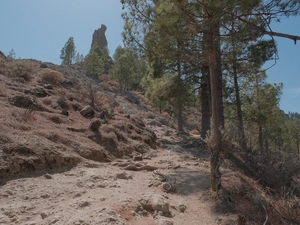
214 59
241 131
205 101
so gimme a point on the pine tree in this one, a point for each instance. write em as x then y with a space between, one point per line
68 52
94 63
11 54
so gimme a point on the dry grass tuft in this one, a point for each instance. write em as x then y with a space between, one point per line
56 119
20 68
62 103
24 115
52 77
194 132
149 115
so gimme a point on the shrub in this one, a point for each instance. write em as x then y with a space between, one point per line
52 77
62 103
21 69
47 101
56 119
25 115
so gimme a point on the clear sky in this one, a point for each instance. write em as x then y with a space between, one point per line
39 29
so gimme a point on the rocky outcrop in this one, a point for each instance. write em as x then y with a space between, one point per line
99 38
33 155
2 55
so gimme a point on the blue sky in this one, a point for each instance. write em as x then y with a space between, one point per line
39 29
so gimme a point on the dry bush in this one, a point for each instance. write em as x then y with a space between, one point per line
56 119
47 101
51 77
118 130
110 142
194 132
24 115
149 115
288 209
90 95
62 103
155 123
20 68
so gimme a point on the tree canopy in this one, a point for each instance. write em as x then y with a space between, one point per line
68 52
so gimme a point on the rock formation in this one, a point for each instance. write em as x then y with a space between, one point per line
99 37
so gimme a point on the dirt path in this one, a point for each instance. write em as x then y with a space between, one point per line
95 193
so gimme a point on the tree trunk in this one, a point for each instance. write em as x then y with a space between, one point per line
205 101
260 123
214 59
241 132
179 120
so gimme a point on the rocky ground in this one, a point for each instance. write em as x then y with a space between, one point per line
106 193
79 152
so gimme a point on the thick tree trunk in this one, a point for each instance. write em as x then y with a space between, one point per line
205 101
214 59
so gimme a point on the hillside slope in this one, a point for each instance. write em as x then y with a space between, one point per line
78 152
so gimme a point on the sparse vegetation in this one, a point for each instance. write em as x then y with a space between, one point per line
20 68
51 77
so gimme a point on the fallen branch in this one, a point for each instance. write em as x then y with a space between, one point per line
267 217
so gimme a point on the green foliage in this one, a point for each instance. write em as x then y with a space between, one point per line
68 52
79 58
128 68
94 63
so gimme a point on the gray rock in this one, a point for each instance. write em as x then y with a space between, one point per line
87 112
99 38
37 92
154 202
94 126
123 175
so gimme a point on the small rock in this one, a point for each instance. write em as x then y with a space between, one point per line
84 204
45 196
48 176
182 208
77 195
43 215
123 176
87 112
64 112
137 158
165 222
